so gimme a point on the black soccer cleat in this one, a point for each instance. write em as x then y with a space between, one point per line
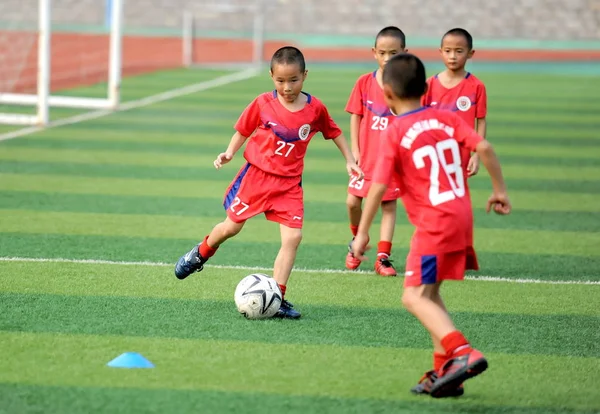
458 370
189 263
427 381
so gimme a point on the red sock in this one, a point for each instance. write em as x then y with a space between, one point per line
384 248
456 344
354 229
282 288
205 250
439 360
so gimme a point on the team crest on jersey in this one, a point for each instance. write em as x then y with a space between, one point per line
304 131
463 103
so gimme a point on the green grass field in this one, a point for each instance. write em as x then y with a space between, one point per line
79 204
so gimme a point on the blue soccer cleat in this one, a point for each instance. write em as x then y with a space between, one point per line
189 263
287 311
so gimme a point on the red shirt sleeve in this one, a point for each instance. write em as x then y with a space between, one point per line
464 133
355 102
249 120
481 96
426 98
388 164
327 125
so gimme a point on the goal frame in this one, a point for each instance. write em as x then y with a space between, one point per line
42 99
254 8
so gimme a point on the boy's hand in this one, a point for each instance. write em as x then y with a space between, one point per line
222 159
360 245
356 156
354 170
500 203
473 166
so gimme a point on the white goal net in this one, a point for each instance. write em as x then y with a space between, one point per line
53 45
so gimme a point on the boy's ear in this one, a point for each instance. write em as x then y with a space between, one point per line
470 54
305 74
388 93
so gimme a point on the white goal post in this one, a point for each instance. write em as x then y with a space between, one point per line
42 99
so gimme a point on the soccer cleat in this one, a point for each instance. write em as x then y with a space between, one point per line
287 311
427 381
384 267
189 263
456 371
352 262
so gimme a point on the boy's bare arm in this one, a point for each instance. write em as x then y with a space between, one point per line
481 126
374 197
354 128
499 198
351 165
236 142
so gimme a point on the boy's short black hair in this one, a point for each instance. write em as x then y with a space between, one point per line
457 31
288 55
405 73
391 31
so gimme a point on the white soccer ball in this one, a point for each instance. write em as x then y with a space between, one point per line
257 296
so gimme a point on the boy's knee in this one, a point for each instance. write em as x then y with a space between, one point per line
410 297
230 229
353 202
292 238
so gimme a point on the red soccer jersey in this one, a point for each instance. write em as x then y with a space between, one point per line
367 100
278 138
422 153
468 99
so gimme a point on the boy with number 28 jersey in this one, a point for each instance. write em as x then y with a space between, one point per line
422 151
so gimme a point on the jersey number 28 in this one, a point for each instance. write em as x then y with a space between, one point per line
437 157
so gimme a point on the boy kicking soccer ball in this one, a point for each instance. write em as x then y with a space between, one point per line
278 126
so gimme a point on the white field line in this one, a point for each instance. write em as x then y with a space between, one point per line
268 269
138 103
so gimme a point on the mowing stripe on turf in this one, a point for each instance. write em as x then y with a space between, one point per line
213 185
346 291
267 269
367 372
163 227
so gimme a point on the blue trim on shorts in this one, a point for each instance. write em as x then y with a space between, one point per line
428 269
230 196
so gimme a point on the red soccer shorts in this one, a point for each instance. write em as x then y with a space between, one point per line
433 268
360 188
254 191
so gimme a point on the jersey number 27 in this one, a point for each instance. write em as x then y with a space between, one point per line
437 156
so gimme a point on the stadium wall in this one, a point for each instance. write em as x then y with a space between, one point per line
327 31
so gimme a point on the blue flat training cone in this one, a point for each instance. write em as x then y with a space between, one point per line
130 360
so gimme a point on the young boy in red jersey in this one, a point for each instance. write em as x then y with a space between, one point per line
278 126
421 150
369 117
457 90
